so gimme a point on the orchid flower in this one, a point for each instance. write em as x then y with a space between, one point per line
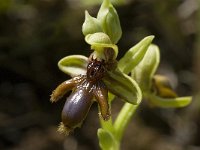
100 77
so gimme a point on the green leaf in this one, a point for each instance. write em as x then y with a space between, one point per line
134 55
73 65
109 20
123 86
99 41
90 25
106 140
144 71
169 102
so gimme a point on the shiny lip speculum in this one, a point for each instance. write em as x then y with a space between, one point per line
85 90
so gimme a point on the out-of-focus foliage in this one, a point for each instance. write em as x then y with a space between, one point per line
95 2
35 34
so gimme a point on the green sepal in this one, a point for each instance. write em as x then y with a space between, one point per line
123 86
106 140
144 71
134 55
99 41
169 102
109 20
73 65
123 118
91 25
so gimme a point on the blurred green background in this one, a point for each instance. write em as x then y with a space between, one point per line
36 34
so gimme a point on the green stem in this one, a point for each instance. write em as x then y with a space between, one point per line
110 134
123 119
107 125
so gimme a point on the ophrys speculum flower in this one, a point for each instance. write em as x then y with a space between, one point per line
94 77
85 90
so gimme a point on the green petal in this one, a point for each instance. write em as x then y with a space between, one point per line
98 38
99 41
123 86
144 71
161 87
73 65
106 140
90 25
169 102
134 55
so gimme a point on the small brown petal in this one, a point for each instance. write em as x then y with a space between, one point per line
161 85
101 95
63 88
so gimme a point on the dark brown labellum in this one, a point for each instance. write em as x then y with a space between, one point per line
77 106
